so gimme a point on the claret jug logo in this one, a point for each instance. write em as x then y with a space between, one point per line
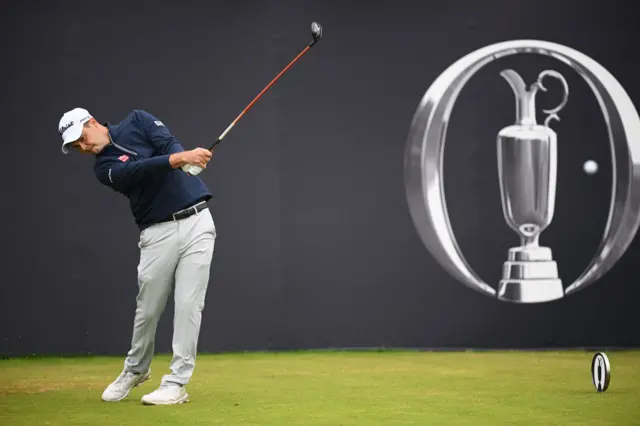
527 189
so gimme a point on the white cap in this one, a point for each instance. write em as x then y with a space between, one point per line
70 126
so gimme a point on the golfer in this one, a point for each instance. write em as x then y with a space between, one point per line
142 160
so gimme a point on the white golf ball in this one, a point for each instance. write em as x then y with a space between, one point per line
590 167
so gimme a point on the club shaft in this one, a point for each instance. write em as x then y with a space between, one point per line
233 123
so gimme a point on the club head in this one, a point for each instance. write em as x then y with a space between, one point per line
316 32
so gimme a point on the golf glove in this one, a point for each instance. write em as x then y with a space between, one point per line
191 169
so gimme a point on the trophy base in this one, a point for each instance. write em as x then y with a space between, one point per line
530 291
530 276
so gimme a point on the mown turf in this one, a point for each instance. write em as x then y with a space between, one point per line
335 388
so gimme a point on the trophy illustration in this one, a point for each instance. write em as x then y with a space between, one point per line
527 173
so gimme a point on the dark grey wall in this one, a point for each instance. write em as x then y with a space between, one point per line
316 247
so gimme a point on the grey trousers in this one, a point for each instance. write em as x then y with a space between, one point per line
172 253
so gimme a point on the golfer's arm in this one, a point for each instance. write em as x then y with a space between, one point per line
121 176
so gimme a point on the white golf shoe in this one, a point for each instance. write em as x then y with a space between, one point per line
166 395
120 388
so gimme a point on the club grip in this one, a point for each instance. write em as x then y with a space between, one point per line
214 144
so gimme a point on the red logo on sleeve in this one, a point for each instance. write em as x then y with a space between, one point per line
123 158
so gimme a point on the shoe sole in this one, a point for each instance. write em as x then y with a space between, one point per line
181 400
127 394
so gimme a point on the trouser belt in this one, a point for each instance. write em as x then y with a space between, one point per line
183 214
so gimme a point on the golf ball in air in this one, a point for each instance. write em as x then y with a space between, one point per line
590 167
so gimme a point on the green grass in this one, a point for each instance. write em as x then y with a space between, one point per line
334 388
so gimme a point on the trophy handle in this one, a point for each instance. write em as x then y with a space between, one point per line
552 113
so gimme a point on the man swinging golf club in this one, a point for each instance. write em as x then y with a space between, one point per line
142 160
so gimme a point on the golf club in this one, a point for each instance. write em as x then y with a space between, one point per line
316 32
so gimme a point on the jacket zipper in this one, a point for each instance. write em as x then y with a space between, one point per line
128 151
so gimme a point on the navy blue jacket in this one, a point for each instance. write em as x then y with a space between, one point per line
136 164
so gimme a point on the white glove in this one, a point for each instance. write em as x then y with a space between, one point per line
191 169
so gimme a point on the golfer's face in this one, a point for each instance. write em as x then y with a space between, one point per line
90 141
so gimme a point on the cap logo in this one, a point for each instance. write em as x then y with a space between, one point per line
65 127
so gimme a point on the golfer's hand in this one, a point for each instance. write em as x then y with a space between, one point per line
198 157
